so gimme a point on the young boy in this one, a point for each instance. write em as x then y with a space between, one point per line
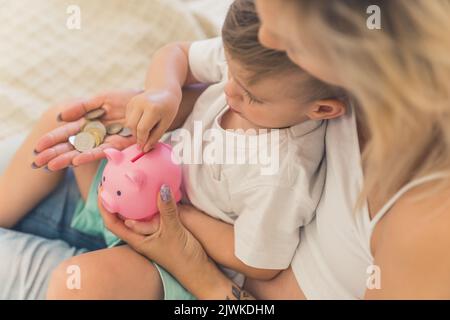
252 220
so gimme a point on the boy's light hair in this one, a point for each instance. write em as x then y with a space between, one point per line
240 38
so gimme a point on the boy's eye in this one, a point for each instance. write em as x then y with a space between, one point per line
252 99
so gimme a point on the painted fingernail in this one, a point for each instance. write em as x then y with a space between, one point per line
46 169
34 166
35 152
165 193
59 118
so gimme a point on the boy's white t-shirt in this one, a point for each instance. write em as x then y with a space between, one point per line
267 210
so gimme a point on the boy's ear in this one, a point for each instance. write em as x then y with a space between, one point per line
326 109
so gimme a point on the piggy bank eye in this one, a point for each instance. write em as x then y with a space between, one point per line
104 178
119 193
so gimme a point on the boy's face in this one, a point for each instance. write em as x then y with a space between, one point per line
274 101
269 103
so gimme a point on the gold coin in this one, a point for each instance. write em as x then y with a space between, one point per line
84 141
126 132
96 132
95 114
97 136
114 128
96 125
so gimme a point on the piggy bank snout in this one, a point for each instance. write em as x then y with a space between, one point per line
108 202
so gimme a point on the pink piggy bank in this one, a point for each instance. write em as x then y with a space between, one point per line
131 180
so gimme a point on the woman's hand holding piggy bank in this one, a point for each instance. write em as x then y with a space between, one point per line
131 180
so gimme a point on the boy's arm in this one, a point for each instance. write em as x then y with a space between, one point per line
150 114
190 96
169 69
217 238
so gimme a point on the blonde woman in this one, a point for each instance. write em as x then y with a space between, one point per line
400 75
381 229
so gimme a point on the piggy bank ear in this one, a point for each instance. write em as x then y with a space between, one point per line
113 155
137 178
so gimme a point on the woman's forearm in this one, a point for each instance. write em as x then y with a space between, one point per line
211 284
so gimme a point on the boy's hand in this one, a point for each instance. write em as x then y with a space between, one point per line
150 114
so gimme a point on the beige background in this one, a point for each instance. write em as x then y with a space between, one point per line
42 62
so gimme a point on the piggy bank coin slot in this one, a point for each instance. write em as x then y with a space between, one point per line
136 158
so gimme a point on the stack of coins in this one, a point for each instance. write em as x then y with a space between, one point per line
94 132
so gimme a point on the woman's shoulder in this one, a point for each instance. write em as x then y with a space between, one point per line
423 208
411 244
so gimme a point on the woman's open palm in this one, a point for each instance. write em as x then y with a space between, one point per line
54 150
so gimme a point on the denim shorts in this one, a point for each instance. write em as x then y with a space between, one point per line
40 242
44 238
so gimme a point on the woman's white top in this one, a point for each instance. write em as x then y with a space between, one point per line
333 259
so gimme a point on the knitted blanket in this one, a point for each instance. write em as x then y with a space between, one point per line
45 60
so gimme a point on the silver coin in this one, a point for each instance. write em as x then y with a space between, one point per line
114 128
95 114
84 141
96 126
126 132
72 140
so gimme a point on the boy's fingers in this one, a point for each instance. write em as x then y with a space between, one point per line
129 108
59 135
155 135
147 147
145 126
133 118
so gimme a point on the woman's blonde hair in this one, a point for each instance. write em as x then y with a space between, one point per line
400 76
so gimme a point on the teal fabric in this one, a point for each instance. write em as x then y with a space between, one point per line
87 219
87 216
173 290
